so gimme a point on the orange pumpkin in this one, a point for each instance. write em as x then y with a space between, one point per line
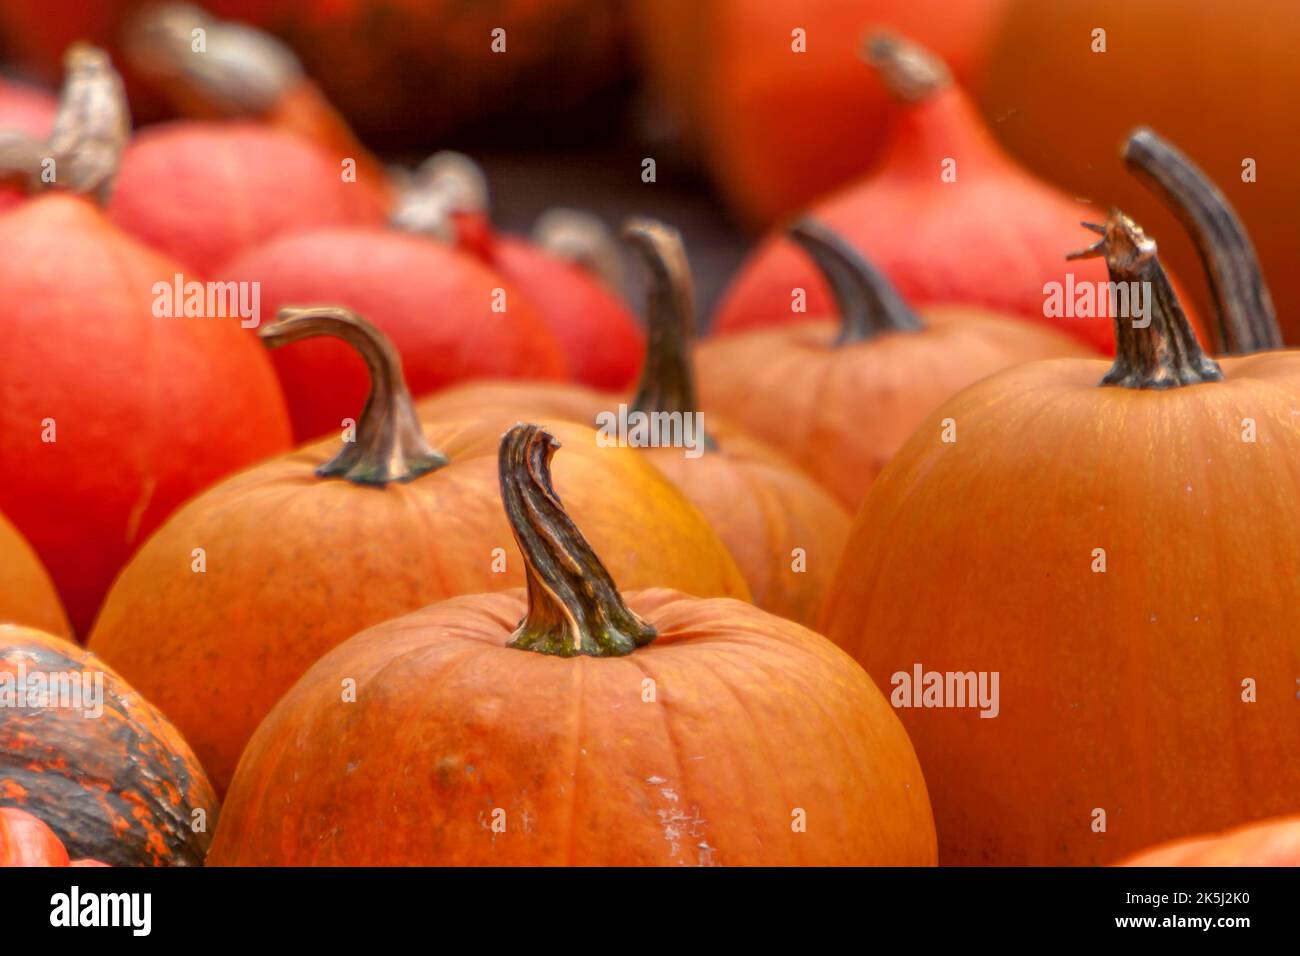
1117 546
26 841
602 730
947 216
840 401
98 763
292 562
778 125
1269 843
784 531
1049 88
27 595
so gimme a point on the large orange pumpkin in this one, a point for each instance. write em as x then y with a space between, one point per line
110 415
1216 78
601 730
778 127
1119 547
27 594
839 401
946 215
1269 843
784 531
293 561
98 763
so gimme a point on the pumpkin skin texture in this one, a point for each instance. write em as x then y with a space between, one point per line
778 128
938 242
27 594
1143 78
356 555
204 191
845 409
147 411
1268 843
504 711
120 789
1121 690
434 302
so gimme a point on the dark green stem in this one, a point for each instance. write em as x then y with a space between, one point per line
574 607
1159 349
389 444
869 305
1243 308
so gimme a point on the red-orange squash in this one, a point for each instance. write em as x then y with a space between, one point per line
779 118
1268 843
785 532
1114 544
451 317
26 841
839 400
27 594
947 216
292 560
574 726
448 198
99 764
110 415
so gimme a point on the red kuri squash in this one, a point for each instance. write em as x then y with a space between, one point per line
602 730
110 415
290 561
26 841
1116 545
947 216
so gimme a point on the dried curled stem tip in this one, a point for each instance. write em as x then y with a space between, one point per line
445 184
574 606
869 304
1157 349
1243 307
583 238
911 72
240 71
389 444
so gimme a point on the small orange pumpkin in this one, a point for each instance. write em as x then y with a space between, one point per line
293 560
1268 843
839 402
27 594
603 729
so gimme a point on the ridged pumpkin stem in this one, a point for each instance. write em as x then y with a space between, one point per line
242 71
1243 307
869 305
1164 352
574 607
91 128
389 443
445 184
668 375
910 72
583 238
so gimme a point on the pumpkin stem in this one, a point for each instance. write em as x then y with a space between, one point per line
243 71
909 71
1162 352
869 305
583 238
1243 306
445 184
574 607
389 444
91 128
668 375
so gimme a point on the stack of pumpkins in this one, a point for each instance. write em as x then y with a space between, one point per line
391 593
